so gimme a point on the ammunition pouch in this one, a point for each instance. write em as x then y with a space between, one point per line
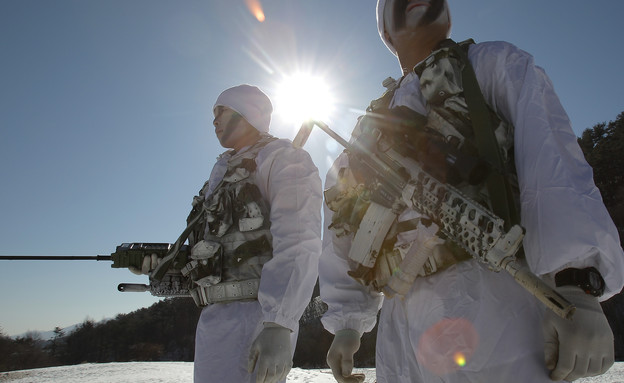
351 202
390 261
206 263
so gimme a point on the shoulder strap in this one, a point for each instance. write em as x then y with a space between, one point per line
498 186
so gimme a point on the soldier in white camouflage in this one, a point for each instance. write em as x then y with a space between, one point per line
459 321
254 258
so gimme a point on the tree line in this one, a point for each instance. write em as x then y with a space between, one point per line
165 331
603 147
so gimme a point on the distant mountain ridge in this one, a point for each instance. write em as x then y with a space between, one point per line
49 335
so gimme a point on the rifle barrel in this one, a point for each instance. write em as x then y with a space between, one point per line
56 257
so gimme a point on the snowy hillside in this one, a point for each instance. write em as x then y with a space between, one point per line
182 372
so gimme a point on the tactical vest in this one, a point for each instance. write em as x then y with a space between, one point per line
443 141
226 265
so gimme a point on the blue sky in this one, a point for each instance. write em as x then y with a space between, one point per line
105 115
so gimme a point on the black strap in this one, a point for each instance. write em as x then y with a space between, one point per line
163 265
498 186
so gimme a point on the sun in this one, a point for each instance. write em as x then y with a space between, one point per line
301 96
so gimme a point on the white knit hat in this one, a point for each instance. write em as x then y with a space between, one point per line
250 102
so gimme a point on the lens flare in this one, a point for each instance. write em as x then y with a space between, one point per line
255 8
447 346
460 359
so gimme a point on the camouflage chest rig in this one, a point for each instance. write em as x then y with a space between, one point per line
234 241
449 142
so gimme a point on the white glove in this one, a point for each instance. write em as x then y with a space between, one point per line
271 352
340 356
578 347
149 263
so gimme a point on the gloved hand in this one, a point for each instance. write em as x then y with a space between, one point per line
581 346
271 352
149 263
340 356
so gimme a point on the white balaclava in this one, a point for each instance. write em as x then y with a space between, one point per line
250 102
381 26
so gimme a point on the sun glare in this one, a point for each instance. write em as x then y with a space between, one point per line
301 97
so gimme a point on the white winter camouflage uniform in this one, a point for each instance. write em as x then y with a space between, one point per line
488 315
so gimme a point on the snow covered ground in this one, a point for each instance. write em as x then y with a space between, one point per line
182 372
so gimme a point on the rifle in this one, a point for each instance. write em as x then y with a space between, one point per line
397 182
172 283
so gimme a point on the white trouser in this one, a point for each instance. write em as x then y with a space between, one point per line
463 325
223 337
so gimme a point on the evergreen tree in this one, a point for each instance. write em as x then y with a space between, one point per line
6 344
55 345
603 146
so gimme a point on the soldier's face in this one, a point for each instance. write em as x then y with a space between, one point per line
232 130
414 15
